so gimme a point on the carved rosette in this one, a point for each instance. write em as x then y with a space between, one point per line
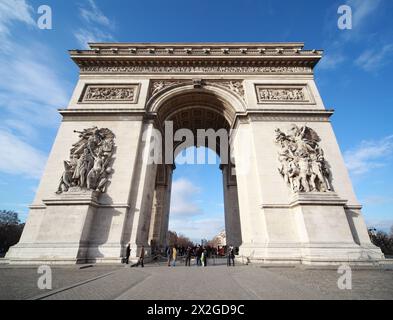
89 165
303 165
110 93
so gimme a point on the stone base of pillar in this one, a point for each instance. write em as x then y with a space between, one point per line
323 233
322 254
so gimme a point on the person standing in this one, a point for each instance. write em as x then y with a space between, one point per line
174 256
231 256
169 255
128 253
188 256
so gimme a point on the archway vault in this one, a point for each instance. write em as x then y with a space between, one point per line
213 97
193 108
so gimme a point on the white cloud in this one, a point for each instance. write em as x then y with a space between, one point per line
331 61
19 157
94 15
85 36
30 93
13 11
183 202
187 217
373 59
362 9
380 224
339 40
197 229
377 200
369 155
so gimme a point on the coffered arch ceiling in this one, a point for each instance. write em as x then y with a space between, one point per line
197 109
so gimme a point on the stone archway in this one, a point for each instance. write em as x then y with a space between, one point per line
194 109
295 199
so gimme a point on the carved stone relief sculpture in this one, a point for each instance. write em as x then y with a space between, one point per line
303 165
105 93
89 166
281 94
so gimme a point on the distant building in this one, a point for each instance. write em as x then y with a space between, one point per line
220 239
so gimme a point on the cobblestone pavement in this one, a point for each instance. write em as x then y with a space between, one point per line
157 281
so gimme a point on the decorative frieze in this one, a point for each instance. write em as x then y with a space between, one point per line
127 93
283 93
194 69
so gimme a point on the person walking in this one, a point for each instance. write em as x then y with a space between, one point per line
188 256
231 256
141 257
205 256
174 256
198 255
169 255
128 253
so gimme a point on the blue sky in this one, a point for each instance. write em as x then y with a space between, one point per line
355 78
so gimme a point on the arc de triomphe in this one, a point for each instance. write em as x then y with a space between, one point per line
288 196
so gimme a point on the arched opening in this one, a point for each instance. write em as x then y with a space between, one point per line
197 197
201 120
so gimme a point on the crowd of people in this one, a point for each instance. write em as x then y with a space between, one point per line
201 254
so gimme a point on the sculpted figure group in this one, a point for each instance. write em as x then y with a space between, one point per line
281 94
103 93
303 165
90 159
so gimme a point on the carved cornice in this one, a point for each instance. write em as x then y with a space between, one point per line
197 49
196 58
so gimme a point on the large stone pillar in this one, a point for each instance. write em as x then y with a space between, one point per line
161 206
231 206
142 193
80 225
254 233
292 223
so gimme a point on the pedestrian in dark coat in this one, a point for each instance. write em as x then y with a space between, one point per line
231 256
128 253
188 256
141 257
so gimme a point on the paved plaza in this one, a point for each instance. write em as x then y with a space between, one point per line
157 281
